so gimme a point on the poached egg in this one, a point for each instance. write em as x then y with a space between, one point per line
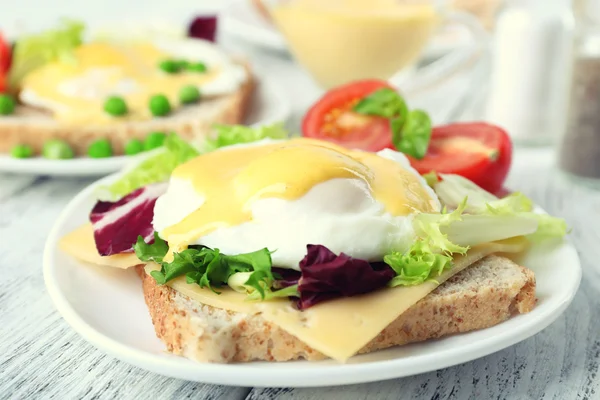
283 195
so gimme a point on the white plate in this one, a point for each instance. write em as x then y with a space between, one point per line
269 104
241 20
106 307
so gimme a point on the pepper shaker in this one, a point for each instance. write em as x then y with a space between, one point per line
579 153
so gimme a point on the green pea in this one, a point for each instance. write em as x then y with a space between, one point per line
189 94
159 105
196 67
100 148
154 140
56 149
7 104
21 151
182 64
115 106
170 66
134 146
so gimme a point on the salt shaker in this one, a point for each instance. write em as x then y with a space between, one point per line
529 74
579 153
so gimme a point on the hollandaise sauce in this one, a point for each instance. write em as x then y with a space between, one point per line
76 89
231 180
343 40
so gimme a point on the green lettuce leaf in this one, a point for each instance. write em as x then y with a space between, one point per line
269 294
452 190
493 217
476 229
33 51
548 228
429 227
209 267
159 165
259 263
431 178
156 168
443 234
513 203
151 252
417 265
228 135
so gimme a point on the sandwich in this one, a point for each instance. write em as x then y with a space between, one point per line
264 247
116 91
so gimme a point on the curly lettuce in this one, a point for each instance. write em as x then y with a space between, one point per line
228 135
430 227
158 165
417 265
208 267
477 217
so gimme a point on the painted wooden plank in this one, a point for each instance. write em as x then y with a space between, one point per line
40 355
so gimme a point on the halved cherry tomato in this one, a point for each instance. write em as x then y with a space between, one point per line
478 151
331 118
5 58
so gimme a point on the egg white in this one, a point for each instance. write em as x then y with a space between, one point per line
340 214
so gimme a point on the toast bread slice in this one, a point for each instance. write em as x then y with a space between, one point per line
483 295
34 126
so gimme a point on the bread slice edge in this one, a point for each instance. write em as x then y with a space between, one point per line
485 294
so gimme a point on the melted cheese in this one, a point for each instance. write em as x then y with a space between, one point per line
79 88
80 245
339 328
229 181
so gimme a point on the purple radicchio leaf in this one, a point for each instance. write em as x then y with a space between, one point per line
326 276
285 277
117 225
204 27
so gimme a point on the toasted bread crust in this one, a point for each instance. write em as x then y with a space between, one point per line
487 293
33 126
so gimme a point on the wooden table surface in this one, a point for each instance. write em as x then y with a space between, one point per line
41 357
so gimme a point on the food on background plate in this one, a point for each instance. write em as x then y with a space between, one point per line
263 247
370 115
116 95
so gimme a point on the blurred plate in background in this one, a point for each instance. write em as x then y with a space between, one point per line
269 104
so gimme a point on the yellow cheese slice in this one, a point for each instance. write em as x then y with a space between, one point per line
339 328
227 299
80 244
